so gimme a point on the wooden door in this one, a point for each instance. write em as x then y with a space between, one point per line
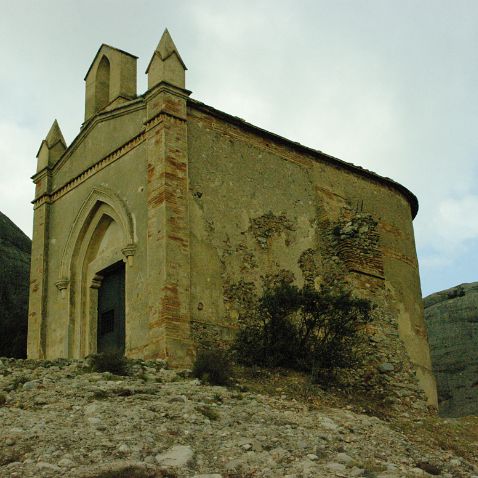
111 310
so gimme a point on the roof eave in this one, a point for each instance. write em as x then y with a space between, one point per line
411 198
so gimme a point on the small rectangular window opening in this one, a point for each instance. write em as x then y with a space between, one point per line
107 322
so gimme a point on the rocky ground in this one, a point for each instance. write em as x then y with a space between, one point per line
61 419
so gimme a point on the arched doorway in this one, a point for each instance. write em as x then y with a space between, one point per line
100 273
98 252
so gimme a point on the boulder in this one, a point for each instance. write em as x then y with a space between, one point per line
452 321
178 456
15 249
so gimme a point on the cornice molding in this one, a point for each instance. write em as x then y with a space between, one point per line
90 171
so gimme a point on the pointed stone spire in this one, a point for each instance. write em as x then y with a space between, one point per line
51 148
54 135
166 64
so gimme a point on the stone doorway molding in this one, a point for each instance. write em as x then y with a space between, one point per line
101 235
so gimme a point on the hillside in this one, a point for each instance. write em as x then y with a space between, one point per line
15 248
452 321
60 419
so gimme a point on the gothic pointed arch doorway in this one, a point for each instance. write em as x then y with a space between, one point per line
100 275
94 275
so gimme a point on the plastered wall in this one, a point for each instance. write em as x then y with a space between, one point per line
124 179
260 209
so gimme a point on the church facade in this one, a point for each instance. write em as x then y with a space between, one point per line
158 223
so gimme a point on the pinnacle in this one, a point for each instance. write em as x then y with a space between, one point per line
54 135
166 47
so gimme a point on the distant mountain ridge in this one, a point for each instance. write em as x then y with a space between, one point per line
452 321
15 251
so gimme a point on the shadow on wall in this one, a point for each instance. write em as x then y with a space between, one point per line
15 249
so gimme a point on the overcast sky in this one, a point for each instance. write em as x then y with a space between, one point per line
391 86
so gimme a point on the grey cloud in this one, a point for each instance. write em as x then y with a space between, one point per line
390 86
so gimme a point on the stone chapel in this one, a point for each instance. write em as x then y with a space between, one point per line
164 216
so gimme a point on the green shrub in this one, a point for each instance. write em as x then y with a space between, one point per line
112 362
208 412
318 331
272 340
18 381
213 366
132 471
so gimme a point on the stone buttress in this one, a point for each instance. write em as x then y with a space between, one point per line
51 149
167 203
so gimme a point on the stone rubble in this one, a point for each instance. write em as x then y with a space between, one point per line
57 418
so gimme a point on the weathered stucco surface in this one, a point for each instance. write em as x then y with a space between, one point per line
259 207
204 208
64 312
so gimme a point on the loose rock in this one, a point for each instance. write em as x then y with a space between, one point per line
96 424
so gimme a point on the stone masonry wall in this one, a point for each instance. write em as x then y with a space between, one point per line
260 211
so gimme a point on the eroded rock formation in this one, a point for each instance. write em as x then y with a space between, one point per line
452 320
15 249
